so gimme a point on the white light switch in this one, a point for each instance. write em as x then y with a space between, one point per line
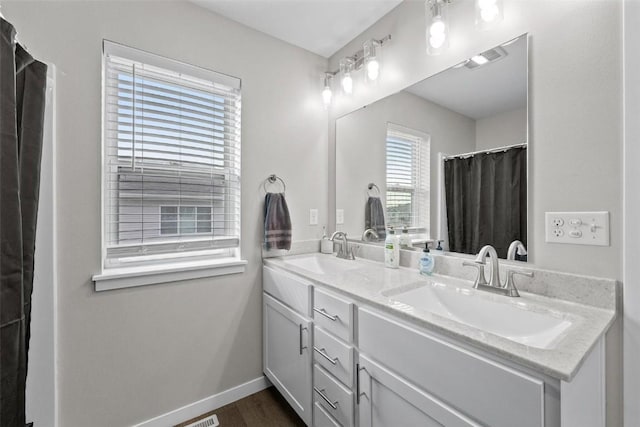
578 228
313 216
339 216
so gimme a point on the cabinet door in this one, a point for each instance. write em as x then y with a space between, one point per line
287 354
388 400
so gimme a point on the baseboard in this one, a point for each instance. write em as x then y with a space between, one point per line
207 404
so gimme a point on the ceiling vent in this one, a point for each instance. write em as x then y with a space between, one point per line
486 57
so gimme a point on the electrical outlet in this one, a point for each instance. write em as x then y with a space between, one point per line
313 216
577 228
339 216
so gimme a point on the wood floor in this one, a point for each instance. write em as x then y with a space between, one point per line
266 408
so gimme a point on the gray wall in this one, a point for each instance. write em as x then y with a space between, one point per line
502 129
361 153
575 111
632 213
129 355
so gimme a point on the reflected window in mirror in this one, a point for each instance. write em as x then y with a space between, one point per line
408 179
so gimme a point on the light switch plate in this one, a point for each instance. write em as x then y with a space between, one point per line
313 216
339 216
577 228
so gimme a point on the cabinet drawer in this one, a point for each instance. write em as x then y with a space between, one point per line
335 398
468 382
333 355
288 288
321 418
334 314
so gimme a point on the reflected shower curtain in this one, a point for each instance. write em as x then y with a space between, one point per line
486 199
23 83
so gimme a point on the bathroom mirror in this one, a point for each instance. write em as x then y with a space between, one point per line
445 159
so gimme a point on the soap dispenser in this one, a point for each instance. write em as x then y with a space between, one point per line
427 262
391 250
405 238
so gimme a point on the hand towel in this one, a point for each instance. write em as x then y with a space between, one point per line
374 216
277 223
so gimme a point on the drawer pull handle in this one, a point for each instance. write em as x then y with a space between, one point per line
325 314
334 405
301 328
322 352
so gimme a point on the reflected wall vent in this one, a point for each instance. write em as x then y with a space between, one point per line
486 57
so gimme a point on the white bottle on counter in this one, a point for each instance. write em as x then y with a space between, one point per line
391 250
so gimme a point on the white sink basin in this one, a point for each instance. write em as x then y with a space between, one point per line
509 319
321 264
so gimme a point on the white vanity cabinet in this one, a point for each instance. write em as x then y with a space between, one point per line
287 340
421 379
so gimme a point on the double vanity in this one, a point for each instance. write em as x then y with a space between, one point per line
352 343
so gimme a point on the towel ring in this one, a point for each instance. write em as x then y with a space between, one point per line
272 179
370 187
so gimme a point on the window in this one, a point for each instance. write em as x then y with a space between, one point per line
407 193
185 220
171 186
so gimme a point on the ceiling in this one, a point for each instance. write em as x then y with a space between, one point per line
320 26
482 92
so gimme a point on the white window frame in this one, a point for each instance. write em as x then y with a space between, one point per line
423 230
175 267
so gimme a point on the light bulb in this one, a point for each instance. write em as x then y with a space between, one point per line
373 69
437 27
437 41
326 96
347 84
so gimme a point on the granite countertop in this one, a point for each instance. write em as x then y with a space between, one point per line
371 283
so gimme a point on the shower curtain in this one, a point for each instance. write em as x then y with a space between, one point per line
23 83
486 200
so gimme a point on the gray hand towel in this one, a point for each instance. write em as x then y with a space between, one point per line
277 223
374 216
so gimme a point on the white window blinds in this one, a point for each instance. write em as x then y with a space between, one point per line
408 181
171 159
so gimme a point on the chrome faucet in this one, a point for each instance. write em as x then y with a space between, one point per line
516 248
494 285
343 250
370 232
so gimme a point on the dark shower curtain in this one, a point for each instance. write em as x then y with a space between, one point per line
23 83
486 199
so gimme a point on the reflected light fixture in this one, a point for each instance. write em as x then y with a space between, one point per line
437 32
346 68
488 13
326 92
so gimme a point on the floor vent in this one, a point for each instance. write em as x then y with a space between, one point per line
211 421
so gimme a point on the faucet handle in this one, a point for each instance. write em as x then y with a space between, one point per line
510 285
480 279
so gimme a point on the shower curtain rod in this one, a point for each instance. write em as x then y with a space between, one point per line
491 150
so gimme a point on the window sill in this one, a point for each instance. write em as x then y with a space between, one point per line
119 278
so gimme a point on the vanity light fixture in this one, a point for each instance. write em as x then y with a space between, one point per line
437 33
346 68
367 58
488 13
327 94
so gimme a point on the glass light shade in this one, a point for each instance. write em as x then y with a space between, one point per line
326 96
371 61
489 13
346 67
437 31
